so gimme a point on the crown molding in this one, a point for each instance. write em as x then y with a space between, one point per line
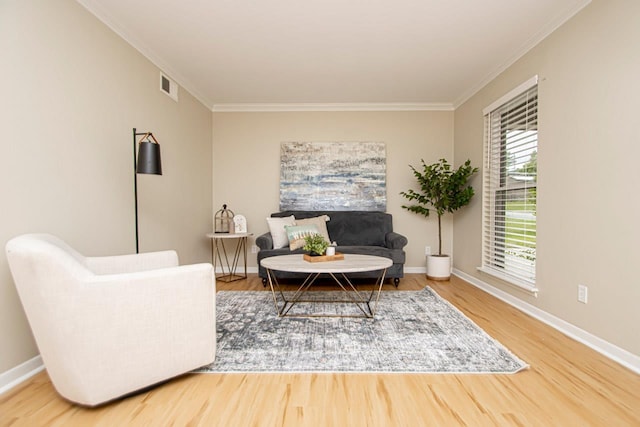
94 7
381 106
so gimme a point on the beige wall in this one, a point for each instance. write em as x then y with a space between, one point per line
71 93
589 102
246 166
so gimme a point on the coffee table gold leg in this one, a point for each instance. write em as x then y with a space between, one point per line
367 301
357 298
272 280
297 296
347 286
381 282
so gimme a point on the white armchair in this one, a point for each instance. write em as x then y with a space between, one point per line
109 326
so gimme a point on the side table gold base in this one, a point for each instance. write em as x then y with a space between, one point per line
228 264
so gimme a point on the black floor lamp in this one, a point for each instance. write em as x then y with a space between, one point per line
145 160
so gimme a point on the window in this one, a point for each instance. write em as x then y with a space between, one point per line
510 186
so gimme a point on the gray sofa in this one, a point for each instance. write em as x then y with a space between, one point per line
355 232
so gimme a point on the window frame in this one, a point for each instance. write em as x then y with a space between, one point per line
494 176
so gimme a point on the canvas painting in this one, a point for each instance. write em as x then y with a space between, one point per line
333 176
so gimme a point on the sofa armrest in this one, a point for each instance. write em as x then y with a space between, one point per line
131 263
128 331
395 240
264 241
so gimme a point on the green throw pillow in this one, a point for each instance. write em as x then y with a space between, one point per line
297 233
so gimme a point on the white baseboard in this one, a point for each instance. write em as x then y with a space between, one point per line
415 270
20 373
613 352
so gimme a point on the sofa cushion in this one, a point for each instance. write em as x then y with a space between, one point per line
278 232
398 257
351 228
359 228
297 233
320 222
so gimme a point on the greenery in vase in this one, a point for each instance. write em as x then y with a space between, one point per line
442 189
315 244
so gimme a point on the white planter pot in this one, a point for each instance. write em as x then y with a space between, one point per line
438 267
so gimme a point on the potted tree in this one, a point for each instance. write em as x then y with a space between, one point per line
442 189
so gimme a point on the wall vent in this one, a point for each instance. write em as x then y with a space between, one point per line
169 87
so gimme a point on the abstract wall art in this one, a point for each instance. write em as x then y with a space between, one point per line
333 176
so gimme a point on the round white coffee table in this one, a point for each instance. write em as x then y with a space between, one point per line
337 270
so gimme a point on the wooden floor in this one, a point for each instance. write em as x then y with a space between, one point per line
566 385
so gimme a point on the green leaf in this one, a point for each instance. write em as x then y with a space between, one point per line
442 189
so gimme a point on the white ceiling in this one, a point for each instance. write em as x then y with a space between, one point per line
412 53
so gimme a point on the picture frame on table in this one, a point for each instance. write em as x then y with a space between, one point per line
239 224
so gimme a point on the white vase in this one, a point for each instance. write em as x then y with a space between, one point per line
438 267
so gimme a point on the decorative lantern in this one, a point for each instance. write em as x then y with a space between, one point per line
224 220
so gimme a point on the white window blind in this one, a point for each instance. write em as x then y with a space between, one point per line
510 186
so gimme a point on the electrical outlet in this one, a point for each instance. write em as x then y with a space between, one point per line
427 250
254 249
583 293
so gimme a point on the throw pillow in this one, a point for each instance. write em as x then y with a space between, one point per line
278 233
297 233
318 221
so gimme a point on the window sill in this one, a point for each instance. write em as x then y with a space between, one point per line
512 281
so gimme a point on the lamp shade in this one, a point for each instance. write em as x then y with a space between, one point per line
149 158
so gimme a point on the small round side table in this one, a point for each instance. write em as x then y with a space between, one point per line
219 254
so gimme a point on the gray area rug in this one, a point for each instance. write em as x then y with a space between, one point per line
413 331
